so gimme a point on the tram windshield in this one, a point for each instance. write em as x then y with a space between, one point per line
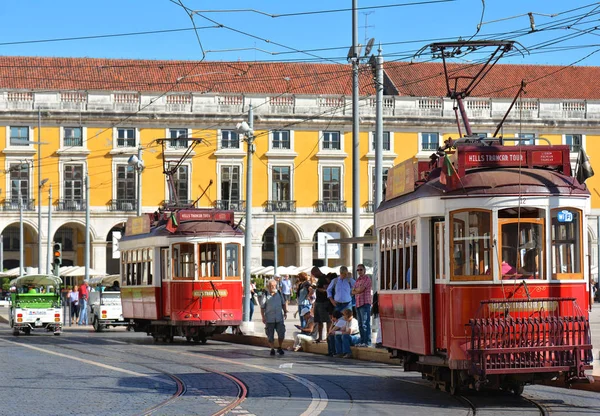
522 242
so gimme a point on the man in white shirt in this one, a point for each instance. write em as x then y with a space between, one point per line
348 336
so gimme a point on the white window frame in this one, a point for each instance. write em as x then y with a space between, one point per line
371 173
342 178
169 162
322 141
535 138
421 150
83 138
27 147
220 165
276 149
168 135
77 161
372 141
270 180
220 140
121 161
583 143
14 160
136 138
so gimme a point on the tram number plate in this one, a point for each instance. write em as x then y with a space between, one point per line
38 323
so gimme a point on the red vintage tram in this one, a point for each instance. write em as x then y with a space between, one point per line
184 279
483 272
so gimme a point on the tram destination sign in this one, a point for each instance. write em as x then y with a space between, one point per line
525 158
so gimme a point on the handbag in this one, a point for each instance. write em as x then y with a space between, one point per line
255 299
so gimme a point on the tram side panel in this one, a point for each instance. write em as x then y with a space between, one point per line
140 302
405 321
202 302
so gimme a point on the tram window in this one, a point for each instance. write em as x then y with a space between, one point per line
407 256
165 263
382 258
522 243
232 260
439 250
388 262
184 261
394 261
413 276
210 262
566 243
400 270
150 265
471 257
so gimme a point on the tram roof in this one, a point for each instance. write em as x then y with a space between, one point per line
488 182
190 229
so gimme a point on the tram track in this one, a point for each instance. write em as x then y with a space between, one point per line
180 386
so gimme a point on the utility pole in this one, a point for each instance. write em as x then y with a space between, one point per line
39 193
49 230
378 160
249 133
275 259
355 138
87 226
21 240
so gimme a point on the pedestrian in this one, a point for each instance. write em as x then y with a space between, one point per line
84 291
322 304
339 290
74 303
252 298
308 333
274 312
348 336
364 300
338 323
303 294
286 288
376 320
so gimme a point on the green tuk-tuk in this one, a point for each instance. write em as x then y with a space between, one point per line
35 303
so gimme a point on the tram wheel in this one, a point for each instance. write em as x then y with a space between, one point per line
203 341
16 333
96 325
27 331
517 389
188 338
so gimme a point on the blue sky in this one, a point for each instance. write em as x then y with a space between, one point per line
323 37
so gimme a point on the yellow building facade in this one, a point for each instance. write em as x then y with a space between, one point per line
77 137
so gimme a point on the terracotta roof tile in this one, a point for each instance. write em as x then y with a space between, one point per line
85 74
543 81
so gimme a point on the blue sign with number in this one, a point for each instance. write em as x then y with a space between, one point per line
565 216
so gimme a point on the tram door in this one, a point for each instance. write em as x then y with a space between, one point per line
438 274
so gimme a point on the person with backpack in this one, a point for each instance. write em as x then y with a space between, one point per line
339 290
274 312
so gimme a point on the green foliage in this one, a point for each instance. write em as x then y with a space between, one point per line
5 283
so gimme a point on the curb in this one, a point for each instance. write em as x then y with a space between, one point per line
358 353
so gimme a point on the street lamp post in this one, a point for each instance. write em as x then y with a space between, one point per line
247 130
39 197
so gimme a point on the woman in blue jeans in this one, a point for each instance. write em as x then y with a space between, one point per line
348 336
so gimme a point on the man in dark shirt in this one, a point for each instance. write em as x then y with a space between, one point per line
321 302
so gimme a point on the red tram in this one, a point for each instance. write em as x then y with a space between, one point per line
483 279
184 279
483 272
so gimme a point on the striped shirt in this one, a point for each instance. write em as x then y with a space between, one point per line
364 298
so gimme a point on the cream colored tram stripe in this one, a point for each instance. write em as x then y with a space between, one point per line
319 396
